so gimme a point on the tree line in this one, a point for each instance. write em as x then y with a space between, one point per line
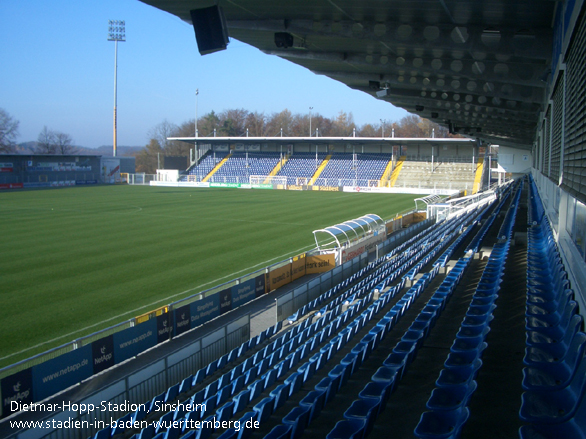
48 142
231 123
242 123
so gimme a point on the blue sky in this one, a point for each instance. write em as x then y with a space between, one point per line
58 71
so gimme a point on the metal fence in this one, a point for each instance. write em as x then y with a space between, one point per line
302 295
143 385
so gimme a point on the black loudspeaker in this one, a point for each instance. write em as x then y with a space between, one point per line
210 28
283 40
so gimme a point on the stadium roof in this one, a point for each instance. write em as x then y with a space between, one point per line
478 66
326 140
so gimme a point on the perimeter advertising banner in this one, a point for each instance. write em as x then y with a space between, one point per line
103 353
225 297
244 292
17 388
164 327
368 245
279 277
62 372
204 310
134 340
260 285
319 263
182 319
298 268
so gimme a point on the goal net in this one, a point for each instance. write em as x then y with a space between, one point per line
275 180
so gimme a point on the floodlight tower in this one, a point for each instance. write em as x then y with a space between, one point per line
116 32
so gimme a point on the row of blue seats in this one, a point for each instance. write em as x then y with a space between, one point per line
465 230
207 163
365 285
337 301
474 245
293 383
269 364
352 426
232 384
180 388
325 390
448 403
360 416
536 211
387 272
554 376
171 394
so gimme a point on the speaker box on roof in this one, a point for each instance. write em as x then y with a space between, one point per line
210 28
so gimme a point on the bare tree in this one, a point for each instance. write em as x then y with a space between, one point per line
162 131
234 122
369 130
63 144
46 142
257 124
278 121
8 131
147 158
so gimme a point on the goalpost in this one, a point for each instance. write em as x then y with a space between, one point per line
277 181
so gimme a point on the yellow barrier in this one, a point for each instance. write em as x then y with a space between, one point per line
319 263
298 267
478 176
279 277
397 170
320 169
151 314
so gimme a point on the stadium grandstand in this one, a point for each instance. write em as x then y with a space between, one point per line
448 164
465 321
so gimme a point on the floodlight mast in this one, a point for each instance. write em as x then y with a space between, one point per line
116 32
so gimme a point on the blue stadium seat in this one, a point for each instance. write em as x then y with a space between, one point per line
348 429
315 400
366 409
281 395
458 375
281 431
186 384
555 406
225 412
264 408
241 400
223 395
442 424
555 375
295 381
298 418
451 397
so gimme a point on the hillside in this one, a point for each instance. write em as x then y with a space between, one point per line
105 150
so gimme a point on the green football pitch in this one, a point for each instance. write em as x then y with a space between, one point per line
77 260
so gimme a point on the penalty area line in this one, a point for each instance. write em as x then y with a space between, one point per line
152 304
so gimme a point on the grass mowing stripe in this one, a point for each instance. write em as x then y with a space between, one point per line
108 251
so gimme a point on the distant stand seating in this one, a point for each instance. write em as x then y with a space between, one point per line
241 166
207 163
345 170
342 169
443 173
301 165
